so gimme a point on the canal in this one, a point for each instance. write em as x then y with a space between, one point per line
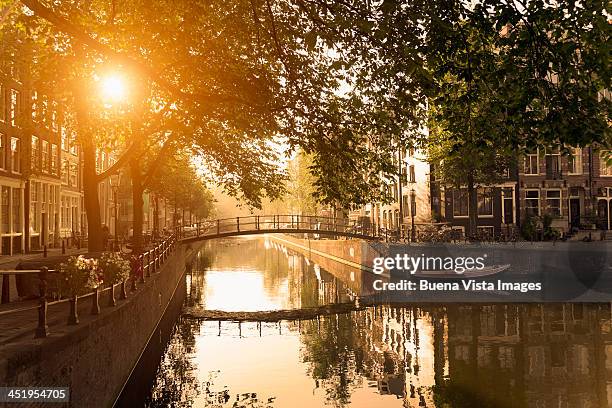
497 355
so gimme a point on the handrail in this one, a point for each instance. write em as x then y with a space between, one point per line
251 224
155 258
23 271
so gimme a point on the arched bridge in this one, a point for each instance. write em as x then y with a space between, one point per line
269 224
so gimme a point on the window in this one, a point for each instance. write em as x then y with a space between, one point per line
411 174
605 168
531 164
64 139
34 106
508 205
44 109
16 155
34 196
45 156
574 161
16 210
74 172
553 202
15 107
460 202
413 203
54 159
54 116
35 152
553 164
65 171
2 151
73 144
532 202
485 201
2 104
6 197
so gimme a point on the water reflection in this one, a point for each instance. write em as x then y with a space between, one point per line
455 356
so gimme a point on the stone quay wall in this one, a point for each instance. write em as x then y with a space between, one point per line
96 358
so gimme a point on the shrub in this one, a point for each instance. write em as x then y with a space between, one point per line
79 275
114 267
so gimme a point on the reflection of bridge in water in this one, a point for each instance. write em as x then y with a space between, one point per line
269 224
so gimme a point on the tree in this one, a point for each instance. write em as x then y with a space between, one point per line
300 186
178 182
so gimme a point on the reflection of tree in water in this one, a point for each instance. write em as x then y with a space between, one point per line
224 398
335 363
176 383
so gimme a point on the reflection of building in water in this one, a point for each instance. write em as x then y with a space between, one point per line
541 356
530 355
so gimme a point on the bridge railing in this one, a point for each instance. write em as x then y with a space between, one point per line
282 222
143 266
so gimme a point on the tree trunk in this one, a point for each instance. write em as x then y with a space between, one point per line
90 198
137 192
472 206
90 180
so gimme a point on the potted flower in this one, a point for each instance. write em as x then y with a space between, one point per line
115 270
78 276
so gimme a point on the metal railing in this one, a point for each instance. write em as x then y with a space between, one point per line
143 265
441 232
279 223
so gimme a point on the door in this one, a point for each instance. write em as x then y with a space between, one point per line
603 214
574 212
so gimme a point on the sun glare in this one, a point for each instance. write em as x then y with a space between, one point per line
113 88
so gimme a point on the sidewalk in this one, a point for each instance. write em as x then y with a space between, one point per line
8 282
11 261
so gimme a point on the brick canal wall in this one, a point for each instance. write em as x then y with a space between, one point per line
96 358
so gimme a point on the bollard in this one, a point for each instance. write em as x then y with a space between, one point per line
112 302
238 224
63 246
44 251
73 317
95 302
43 329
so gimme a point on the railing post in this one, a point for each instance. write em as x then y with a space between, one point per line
134 263
148 264
111 301
218 228
95 303
257 223
73 317
140 266
123 291
43 329
238 224
45 251
63 246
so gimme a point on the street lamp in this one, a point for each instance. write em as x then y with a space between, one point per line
412 214
115 182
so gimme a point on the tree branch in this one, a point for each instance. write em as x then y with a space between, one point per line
201 100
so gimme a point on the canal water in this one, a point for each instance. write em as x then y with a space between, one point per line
502 355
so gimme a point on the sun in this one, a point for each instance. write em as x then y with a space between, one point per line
113 88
